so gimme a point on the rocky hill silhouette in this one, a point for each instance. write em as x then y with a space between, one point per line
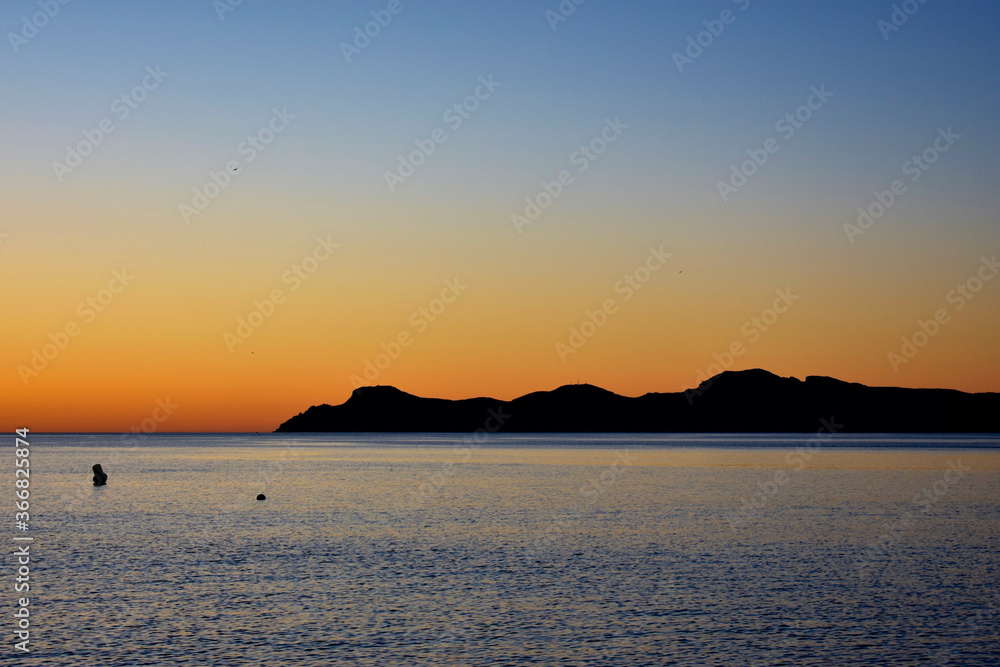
750 401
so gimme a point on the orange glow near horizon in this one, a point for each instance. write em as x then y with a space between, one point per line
162 337
592 145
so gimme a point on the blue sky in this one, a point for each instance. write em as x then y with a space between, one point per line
658 183
607 59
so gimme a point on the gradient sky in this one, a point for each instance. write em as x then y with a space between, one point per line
323 176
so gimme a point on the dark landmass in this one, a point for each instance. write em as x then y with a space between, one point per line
751 401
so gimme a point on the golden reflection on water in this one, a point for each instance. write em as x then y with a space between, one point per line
425 551
810 457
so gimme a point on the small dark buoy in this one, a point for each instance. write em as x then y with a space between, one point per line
261 496
100 477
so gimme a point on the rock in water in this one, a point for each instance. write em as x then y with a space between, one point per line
100 477
261 496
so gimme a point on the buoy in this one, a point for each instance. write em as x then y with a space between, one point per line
261 496
100 477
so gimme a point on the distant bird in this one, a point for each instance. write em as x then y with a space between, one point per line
100 477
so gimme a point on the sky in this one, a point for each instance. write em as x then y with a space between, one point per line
216 215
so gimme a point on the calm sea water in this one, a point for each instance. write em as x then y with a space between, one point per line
546 550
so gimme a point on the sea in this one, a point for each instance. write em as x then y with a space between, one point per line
548 549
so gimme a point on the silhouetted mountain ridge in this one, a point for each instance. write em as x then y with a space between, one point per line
733 401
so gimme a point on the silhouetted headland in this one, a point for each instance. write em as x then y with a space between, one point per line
751 401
